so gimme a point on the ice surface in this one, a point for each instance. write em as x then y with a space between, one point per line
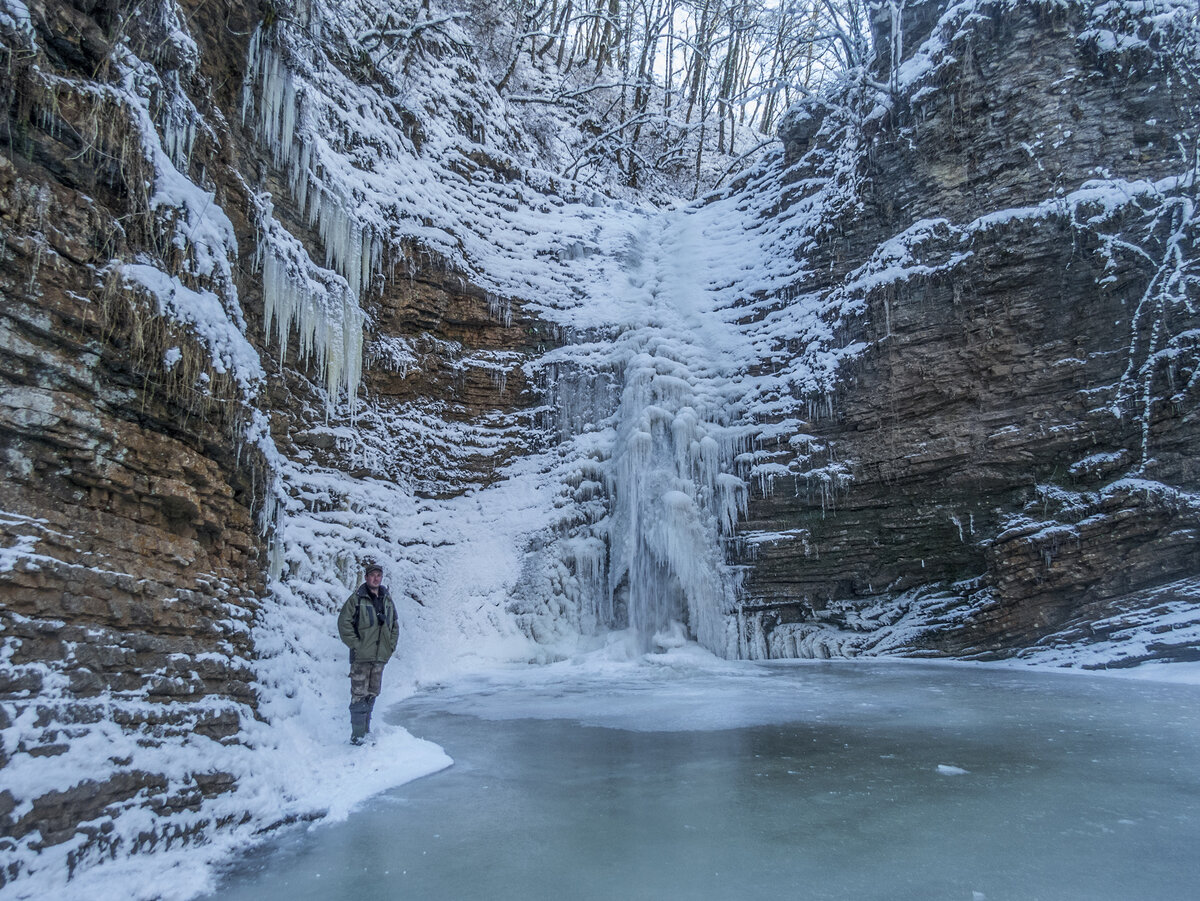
566 786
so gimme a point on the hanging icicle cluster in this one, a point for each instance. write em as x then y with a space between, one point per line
318 303
352 248
322 303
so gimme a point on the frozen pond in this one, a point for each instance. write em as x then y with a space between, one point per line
807 781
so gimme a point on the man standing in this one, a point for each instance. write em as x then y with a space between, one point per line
368 626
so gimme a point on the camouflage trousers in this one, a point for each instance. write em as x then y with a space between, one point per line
366 680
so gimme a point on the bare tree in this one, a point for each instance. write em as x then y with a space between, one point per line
656 80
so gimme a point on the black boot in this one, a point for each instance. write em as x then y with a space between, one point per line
359 722
370 707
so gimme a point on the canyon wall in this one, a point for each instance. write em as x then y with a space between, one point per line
146 415
1017 448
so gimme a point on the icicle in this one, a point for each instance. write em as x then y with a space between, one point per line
318 304
352 249
500 308
179 117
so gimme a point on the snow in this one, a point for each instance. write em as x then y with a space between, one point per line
21 549
1181 673
14 14
287 785
229 350
694 358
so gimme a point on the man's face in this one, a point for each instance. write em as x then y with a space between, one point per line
374 579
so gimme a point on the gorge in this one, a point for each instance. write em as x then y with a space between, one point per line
919 380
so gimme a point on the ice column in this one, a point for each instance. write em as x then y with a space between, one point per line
672 501
654 491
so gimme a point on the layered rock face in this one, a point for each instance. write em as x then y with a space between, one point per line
140 471
132 560
1017 447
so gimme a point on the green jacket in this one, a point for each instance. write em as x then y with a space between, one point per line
371 638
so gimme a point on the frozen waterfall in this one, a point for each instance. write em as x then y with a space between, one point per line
649 414
671 499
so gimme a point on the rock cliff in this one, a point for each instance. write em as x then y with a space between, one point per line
1017 449
133 564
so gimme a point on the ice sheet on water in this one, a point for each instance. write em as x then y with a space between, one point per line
689 689
1078 778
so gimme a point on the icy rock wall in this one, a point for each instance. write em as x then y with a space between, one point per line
134 453
1019 439
182 398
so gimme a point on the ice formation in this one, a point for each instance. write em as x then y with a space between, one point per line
318 303
655 412
660 461
671 501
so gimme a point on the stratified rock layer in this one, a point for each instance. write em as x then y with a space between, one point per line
132 561
1007 479
133 547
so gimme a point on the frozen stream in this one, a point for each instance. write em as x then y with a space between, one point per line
695 779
